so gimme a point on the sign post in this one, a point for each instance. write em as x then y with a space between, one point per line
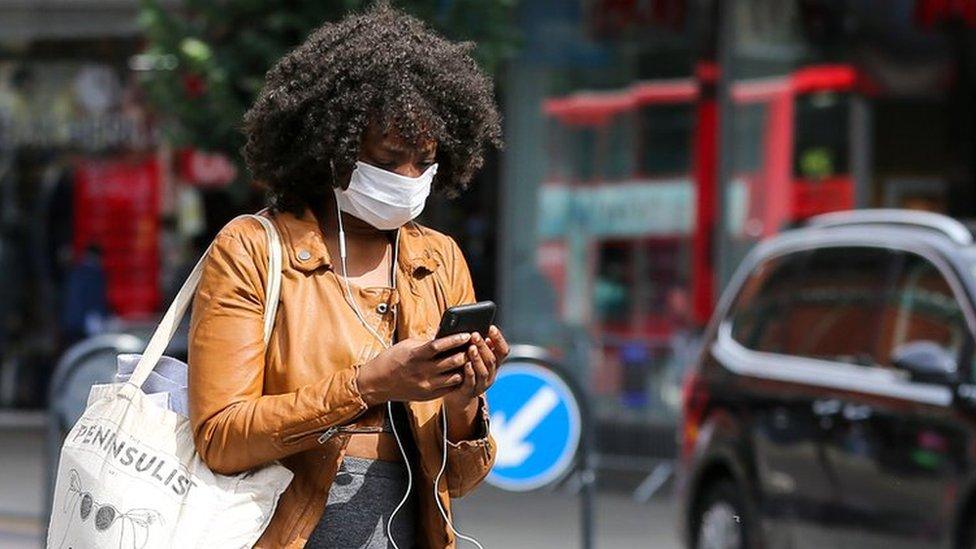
539 422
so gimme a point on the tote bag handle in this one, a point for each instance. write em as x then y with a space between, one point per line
174 315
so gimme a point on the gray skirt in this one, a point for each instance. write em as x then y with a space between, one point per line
361 500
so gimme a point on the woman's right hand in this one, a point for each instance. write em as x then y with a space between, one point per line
414 370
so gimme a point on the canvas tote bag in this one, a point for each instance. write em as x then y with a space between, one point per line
129 476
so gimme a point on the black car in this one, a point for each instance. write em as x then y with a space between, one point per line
834 401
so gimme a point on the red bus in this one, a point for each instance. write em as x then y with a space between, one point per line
627 213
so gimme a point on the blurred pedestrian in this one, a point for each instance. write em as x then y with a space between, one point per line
684 345
379 424
85 303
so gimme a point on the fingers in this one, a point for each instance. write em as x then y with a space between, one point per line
440 345
478 369
470 380
468 370
452 380
484 352
482 362
500 346
451 362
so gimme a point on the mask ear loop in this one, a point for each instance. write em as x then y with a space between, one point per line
389 405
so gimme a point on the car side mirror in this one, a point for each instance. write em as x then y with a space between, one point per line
926 362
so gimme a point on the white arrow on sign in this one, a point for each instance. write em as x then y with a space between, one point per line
510 435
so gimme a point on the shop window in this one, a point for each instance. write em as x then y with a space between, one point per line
633 280
613 278
574 152
618 154
665 140
642 307
749 128
560 160
584 144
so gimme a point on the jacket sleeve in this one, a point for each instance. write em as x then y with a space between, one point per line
235 426
468 461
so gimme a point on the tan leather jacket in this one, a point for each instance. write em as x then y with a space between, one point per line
251 404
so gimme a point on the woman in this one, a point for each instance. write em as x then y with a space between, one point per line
360 119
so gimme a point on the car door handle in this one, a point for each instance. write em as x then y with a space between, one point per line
827 407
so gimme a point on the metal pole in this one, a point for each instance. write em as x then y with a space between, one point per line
587 473
587 487
861 150
726 138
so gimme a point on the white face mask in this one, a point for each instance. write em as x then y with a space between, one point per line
383 199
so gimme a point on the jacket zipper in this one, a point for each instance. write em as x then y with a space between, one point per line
293 438
328 433
357 430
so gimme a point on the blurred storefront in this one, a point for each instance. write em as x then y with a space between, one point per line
84 185
101 219
651 143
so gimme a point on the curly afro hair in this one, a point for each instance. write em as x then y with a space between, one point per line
380 66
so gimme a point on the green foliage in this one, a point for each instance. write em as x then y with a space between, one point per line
210 56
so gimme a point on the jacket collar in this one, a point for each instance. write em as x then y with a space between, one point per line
415 256
307 251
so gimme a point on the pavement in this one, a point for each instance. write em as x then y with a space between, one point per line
543 520
22 479
537 520
20 533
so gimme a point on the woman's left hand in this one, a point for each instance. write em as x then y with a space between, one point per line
484 357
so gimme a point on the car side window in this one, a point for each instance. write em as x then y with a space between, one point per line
761 311
923 309
827 308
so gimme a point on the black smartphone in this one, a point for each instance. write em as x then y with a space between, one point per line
476 317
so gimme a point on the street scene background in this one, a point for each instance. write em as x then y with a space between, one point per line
650 144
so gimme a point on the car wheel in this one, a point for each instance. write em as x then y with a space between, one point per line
720 521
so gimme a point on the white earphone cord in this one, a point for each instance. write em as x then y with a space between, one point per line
389 405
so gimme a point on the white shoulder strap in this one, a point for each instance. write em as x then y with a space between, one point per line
273 291
171 320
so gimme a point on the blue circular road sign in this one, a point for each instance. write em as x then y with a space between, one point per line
535 421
